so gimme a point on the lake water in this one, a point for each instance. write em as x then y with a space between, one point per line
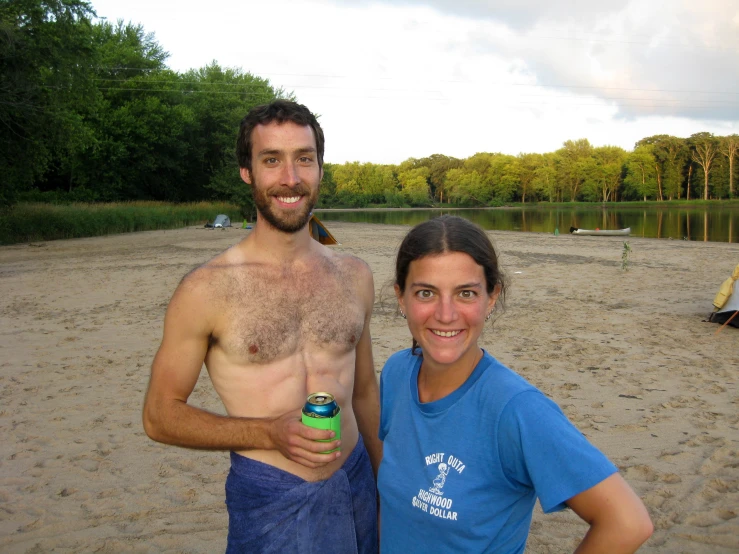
699 223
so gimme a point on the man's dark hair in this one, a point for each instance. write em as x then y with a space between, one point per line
279 111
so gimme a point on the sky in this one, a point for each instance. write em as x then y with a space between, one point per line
395 79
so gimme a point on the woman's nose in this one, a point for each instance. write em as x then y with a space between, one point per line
446 312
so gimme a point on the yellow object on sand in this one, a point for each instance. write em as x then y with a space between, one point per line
727 287
319 232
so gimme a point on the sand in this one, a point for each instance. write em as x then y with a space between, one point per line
627 355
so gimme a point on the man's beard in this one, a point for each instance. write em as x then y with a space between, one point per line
292 221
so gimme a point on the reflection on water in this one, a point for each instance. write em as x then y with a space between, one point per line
712 223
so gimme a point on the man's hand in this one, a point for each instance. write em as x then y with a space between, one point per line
298 442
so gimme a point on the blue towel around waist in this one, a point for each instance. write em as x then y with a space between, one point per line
271 510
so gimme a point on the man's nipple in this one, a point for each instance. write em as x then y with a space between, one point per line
253 349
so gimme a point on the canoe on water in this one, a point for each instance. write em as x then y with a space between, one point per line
602 232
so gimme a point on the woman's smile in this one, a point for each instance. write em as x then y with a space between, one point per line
446 302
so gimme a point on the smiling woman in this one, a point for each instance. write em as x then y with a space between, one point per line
462 432
446 306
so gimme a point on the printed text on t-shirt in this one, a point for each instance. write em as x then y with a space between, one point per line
433 501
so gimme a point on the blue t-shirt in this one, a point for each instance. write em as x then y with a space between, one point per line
462 474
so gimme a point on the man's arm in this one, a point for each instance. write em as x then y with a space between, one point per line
167 416
366 394
619 522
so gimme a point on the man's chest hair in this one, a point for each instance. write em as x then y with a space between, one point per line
273 312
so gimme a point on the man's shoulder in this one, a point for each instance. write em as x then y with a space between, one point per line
350 262
207 277
207 271
351 269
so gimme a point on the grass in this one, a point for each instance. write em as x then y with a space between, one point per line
37 222
625 256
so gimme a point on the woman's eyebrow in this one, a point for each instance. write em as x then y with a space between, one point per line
470 286
475 285
423 285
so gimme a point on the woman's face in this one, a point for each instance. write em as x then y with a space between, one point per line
446 303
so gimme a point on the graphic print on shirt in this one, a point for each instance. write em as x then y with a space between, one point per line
440 480
433 501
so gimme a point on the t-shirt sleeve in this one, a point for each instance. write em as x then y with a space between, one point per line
540 448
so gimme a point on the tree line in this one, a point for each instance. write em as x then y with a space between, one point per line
660 167
90 112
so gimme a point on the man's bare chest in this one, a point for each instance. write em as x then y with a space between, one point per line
273 315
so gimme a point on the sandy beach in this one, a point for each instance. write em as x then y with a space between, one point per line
628 355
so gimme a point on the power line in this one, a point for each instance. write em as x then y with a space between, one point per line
360 88
500 102
457 81
261 86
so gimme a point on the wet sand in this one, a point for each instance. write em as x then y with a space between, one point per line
626 354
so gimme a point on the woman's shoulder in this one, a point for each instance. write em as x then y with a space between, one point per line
401 357
500 388
504 378
399 363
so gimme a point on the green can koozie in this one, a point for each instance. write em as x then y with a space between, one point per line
322 412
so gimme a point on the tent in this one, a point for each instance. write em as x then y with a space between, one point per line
727 301
222 220
319 232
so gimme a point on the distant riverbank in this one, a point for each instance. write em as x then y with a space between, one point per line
714 222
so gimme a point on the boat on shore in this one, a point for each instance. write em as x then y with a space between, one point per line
602 232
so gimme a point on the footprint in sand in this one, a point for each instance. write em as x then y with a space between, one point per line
710 518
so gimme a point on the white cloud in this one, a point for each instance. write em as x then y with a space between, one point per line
417 78
514 13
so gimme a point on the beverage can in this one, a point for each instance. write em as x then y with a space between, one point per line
322 412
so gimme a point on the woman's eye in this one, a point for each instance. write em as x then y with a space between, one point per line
424 294
467 294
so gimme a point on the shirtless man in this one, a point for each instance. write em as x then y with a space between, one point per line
274 318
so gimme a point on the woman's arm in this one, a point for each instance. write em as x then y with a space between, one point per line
619 522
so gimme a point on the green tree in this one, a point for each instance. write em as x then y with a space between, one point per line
545 178
528 164
438 165
138 121
572 164
503 175
729 147
674 153
327 198
415 187
390 186
642 172
670 154
704 147
602 172
45 54
350 178
467 187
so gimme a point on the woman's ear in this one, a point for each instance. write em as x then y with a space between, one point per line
493 298
399 296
